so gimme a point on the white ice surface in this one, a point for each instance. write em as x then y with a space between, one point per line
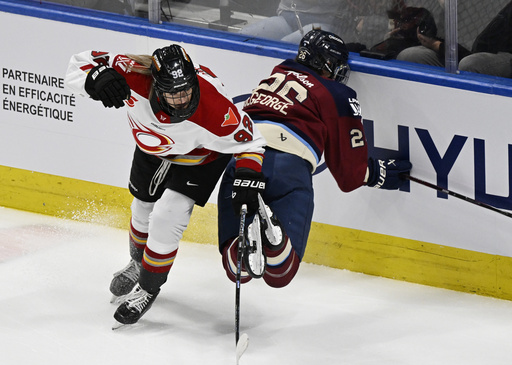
54 309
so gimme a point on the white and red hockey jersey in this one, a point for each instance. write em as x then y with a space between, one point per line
217 125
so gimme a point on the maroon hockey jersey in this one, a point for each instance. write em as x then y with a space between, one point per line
302 113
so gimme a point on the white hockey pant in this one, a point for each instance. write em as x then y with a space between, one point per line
168 220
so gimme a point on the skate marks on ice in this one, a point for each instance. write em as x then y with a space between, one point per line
19 237
55 310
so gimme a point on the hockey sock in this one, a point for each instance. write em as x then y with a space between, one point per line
229 256
282 265
137 243
156 268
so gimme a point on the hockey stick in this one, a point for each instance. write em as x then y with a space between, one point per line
456 195
299 24
241 341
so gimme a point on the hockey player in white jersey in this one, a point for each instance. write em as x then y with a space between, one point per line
186 130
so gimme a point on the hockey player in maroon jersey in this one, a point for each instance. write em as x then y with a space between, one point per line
186 130
305 111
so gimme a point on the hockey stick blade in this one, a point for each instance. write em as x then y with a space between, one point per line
241 346
456 195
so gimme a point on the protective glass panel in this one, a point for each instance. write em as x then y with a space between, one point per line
408 30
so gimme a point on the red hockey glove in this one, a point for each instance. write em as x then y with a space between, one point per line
106 84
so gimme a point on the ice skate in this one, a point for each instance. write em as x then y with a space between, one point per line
271 229
253 255
124 280
135 305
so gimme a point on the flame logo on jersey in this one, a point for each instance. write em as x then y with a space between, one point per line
150 141
230 119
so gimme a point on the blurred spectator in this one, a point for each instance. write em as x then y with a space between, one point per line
430 52
295 18
363 22
430 49
491 53
406 21
360 22
492 48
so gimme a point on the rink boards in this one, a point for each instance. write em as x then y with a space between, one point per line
65 155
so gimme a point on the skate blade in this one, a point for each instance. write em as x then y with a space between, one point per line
117 325
266 218
261 209
255 261
241 346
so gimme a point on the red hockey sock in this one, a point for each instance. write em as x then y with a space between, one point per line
137 243
229 260
282 265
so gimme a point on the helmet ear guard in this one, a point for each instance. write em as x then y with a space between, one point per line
325 51
173 72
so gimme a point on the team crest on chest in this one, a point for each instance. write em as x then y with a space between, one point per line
150 141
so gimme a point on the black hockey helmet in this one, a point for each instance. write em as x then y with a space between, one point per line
173 72
321 50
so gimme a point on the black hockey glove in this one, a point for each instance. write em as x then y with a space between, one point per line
385 173
106 84
246 186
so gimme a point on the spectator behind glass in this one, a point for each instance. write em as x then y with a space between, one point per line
492 49
404 34
295 18
364 22
491 53
430 49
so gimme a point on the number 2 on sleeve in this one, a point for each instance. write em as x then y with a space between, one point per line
356 138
